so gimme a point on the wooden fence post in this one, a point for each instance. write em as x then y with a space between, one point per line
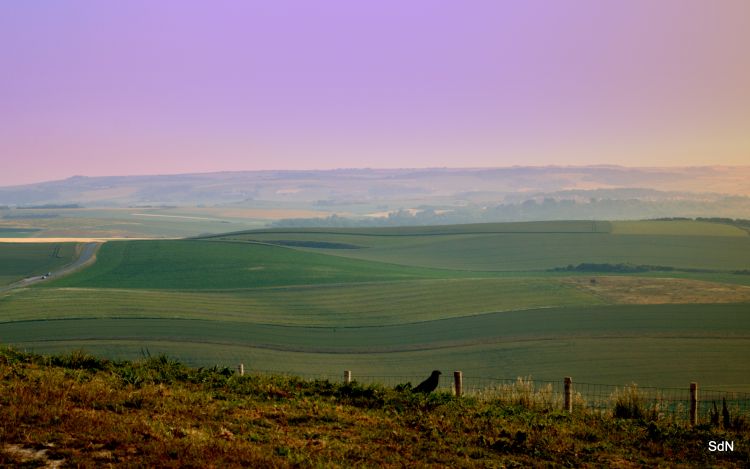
347 377
241 369
458 381
568 399
693 403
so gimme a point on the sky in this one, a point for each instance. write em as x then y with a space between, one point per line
155 87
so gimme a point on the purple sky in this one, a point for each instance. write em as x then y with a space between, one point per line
143 87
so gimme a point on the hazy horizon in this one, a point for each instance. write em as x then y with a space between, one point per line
142 88
389 168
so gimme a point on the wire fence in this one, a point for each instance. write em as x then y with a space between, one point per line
629 401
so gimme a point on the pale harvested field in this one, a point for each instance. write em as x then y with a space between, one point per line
676 228
260 213
643 290
69 240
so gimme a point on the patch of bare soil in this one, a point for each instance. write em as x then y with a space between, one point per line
72 239
644 290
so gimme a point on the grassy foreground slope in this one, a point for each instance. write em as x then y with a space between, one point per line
21 260
77 410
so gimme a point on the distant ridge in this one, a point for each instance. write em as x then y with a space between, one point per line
374 185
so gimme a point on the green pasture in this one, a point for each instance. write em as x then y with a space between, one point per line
529 246
664 345
479 298
559 226
204 265
281 258
22 260
683 321
348 242
524 252
367 304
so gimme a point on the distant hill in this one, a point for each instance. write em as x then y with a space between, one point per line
368 185
386 197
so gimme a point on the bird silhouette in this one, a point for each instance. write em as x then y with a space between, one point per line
430 384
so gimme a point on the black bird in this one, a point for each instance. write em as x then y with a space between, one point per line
430 384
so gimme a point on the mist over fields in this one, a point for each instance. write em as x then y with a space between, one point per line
350 197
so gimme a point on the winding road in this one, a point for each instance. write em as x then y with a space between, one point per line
87 256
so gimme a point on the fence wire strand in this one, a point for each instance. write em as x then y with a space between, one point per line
630 401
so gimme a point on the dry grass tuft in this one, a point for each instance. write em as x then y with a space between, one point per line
647 290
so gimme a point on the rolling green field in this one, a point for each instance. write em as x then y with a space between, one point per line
359 304
650 353
619 321
21 260
532 246
206 265
395 301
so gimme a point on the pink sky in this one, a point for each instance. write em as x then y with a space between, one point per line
143 87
